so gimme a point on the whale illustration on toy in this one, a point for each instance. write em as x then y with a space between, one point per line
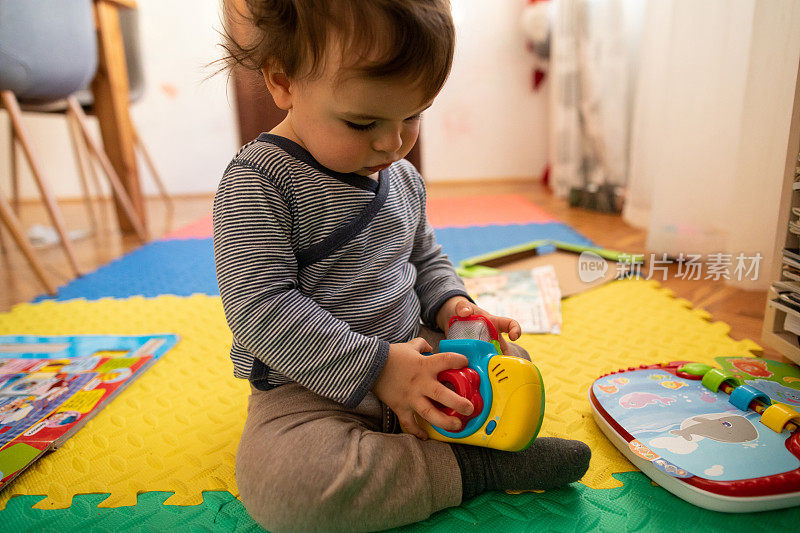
721 427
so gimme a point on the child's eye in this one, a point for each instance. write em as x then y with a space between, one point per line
359 127
414 117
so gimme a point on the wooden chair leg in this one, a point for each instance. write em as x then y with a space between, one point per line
119 191
8 218
14 168
79 147
3 248
93 174
153 172
15 113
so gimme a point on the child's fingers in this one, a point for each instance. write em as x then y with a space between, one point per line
410 425
503 345
446 361
509 326
435 416
449 398
464 308
420 345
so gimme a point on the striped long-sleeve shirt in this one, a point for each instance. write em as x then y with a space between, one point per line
319 271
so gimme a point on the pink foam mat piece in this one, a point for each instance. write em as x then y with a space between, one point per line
456 212
199 229
499 209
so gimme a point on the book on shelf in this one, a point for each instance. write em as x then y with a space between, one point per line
792 323
790 298
786 286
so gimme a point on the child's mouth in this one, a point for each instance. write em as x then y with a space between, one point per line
378 168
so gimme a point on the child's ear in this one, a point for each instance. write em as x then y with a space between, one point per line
279 86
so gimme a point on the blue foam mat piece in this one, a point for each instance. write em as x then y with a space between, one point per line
179 267
463 243
185 267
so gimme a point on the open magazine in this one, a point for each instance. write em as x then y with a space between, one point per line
532 297
51 386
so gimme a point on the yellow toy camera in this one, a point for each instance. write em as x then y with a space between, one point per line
507 394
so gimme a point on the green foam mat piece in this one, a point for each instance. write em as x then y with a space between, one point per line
220 511
636 506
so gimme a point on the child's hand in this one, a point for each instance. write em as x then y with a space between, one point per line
460 306
408 384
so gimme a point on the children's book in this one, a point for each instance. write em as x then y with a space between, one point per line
725 439
577 267
51 386
531 296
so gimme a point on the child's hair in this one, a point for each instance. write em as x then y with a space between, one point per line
412 40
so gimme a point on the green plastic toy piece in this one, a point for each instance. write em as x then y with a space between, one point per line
471 267
716 377
695 369
475 271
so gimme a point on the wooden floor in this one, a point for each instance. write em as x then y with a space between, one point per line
742 310
17 281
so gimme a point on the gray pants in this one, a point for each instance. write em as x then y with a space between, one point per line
305 463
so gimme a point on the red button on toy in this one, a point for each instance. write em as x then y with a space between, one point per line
465 382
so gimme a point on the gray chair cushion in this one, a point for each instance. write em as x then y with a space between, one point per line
48 48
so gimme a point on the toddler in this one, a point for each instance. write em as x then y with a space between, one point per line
333 284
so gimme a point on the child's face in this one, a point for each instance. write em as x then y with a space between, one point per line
354 124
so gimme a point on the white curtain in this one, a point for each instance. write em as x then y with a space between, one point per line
692 102
594 45
710 128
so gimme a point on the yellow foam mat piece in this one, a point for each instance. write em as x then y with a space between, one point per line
177 427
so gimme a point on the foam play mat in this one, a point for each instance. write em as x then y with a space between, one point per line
494 210
177 267
161 455
182 262
183 267
457 211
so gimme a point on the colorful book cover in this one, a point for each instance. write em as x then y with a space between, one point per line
710 447
51 386
532 297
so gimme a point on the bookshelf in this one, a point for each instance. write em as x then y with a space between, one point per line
774 332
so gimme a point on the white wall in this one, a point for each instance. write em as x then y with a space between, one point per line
487 122
188 124
766 119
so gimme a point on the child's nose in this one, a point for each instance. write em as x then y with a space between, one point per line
390 142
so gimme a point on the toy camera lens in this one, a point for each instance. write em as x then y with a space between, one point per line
465 382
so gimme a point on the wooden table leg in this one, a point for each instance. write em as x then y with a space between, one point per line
111 100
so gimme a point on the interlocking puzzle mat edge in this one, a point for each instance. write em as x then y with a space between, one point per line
573 508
